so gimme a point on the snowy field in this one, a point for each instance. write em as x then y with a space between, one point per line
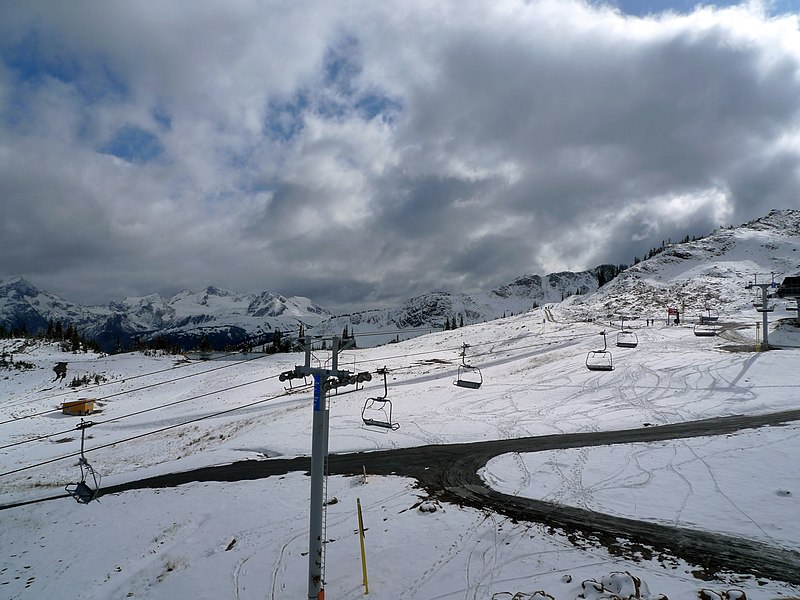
162 414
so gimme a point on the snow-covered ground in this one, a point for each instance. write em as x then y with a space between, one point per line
249 539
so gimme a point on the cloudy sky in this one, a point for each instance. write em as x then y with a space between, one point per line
361 152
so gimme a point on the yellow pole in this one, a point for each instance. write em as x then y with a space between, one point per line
363 552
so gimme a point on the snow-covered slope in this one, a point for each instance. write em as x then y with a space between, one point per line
249 539
432 311
707 274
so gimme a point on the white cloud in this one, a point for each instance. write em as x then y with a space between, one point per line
376 143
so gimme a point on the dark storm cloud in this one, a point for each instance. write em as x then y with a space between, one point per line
428 206
367 152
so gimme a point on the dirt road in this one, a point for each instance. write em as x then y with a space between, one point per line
449 473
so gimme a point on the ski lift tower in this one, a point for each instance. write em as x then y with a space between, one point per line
324 380
764 309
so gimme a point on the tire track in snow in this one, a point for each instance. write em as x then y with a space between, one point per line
450 473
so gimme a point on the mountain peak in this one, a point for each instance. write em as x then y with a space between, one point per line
20 285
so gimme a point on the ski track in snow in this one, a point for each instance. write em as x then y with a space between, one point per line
531 387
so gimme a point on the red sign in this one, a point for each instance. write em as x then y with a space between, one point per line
672 311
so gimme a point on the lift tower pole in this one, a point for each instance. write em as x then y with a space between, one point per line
764 309
324 380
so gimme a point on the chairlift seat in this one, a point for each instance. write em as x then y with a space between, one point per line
468 377
82 492
377 412
373 423
627 339
472 385
704 331
600 360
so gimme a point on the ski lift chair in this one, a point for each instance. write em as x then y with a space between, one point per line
82 491
627 339
377 412
468 376
600 360
711 317
705 331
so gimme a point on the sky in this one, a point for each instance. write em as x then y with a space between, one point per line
360 153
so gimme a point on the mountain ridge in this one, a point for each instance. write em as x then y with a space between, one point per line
694 276
227 318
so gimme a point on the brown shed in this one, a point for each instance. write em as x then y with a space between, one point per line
79 407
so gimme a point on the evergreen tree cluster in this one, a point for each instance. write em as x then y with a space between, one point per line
606 273
69 337
64 333
160 343
664 245
448 324
86 380
14 332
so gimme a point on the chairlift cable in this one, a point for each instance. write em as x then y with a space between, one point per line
407 355
206 371
145 434
139 412
70 392
140 375
123 392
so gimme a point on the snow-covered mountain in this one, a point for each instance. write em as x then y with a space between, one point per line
22 305
696 277
222 316
228 318
709 274
432 311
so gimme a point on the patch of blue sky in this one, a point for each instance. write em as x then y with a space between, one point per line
643 8
238 159
333 107
31 64
162 117
16 109
342 65
339 96
373 105
34 62
285 118
134 145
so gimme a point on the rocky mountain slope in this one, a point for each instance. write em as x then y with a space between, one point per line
224 317
709 274
432 311
696 277
227 318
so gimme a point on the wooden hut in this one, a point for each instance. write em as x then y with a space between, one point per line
79 407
